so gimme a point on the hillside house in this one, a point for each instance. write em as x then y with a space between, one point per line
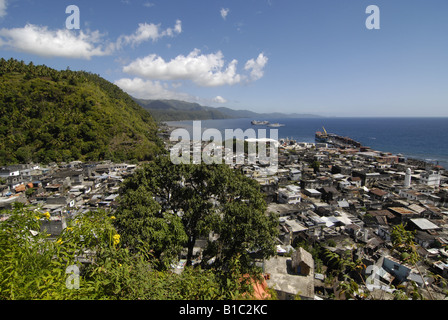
302 262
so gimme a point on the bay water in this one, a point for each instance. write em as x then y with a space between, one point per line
418 138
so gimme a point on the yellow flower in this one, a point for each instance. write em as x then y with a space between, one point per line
69 229
36 217
47 215
112 218
59 241
116 239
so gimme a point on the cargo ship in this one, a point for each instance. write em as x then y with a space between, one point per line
336 140
321 137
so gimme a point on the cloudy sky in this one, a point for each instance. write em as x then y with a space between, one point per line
305 56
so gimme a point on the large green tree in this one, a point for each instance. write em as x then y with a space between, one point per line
144 222
244 226
204 198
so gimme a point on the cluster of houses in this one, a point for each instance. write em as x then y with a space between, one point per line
350 197
64 189
353 197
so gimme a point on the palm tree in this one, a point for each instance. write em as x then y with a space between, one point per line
403 241
348 287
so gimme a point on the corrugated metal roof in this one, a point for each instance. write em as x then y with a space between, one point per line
424 224
401 210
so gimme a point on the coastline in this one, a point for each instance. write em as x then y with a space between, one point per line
404 141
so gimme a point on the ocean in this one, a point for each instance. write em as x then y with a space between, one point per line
418 138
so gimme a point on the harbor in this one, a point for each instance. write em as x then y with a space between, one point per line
336 140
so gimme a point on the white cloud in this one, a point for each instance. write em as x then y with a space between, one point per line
146 32
224 12
3 5
205 70
256 67
42 41
58 43
219 99
146 89
148 4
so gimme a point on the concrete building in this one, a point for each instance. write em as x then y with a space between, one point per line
284 278
430 178
290 194
302 262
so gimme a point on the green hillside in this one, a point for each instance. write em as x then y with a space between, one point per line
48 115
174 110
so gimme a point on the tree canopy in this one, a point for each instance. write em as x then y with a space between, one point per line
181 203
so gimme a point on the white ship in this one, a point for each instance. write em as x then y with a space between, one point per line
276 125
259 123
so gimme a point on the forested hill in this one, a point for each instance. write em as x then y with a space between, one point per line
48 115
173 110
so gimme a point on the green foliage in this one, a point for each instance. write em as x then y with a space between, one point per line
349 288
245 226
48 115
34 265
331 243
316 166
403 241
30 192
193 201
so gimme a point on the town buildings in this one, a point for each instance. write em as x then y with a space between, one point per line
64 190
350 202
353 201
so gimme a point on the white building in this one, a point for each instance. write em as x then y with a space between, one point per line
295 174
290 195
430 178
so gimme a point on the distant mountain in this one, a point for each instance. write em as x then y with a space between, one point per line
48 115
175 110
272 115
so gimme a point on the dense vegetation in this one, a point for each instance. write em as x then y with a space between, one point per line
35 266
48 115
174 110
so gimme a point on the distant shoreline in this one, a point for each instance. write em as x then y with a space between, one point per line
413 137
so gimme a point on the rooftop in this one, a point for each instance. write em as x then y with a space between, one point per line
424 224
283 279
402 211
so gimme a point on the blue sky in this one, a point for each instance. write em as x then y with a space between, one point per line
304 56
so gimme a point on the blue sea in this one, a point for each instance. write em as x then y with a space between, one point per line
419 138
